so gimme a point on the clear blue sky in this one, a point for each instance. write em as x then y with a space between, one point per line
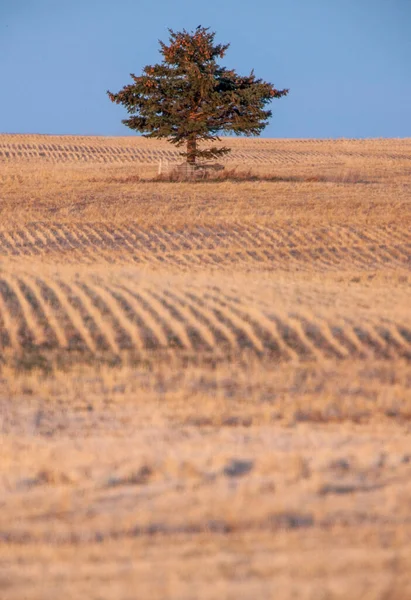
346 62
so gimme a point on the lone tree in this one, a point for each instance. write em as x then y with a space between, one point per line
190 98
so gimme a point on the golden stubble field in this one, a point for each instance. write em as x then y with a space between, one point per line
205 387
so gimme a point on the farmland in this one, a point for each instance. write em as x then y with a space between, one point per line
205 386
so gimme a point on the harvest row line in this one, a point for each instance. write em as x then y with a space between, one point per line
328 248
94 315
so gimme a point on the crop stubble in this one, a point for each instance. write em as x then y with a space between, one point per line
232 359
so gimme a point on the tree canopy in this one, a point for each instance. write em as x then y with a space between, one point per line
190 98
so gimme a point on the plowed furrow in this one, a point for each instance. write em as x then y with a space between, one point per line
9 333
271 335
356 256
320 338
176 335
402 253
271 258
158 243
269 236
5 248
124 316
351 253
178 251
341 255
323 237
385 336
316 256
7 245
195 237
118 239
45 245
106 327
155 335
70 313
405 333
358 248
75 246
289 234
52 324
401 341
166 240
368 338
329 258
188 337
234 237
146 239
101 243
347 339
222 334
350 332
177 260
205 238
317 329
14 243
255 255
200 334
373 236
292 258
57 239
296 237
242 258
201 319
393 339
4 334
264 329
363 236
253 238
246 336
138 240
382 256
133 253
27 334
184 240
84 243
144 337
43 334
91 236
76 242
221 256
208 258
49 240
308 335
219 247
292 338
387 234
150 251
29 242
138 244
19 243
98 234
366 248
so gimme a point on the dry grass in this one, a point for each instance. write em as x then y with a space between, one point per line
205 387
121 314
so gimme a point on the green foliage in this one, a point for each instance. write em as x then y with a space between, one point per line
189 98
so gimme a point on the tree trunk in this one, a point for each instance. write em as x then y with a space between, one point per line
191 150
